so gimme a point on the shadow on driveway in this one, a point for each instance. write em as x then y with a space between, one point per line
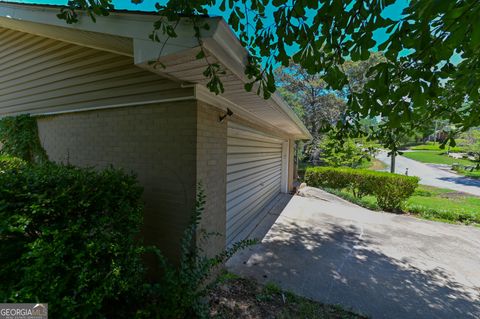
461 180
341 263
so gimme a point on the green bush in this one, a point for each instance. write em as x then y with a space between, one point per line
11 163
19 138
68 237
349 153
182 289
390 190
336 178
368 201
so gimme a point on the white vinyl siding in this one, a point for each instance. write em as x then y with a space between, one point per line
42 75
254 176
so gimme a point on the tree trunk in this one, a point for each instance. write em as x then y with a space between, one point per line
392 163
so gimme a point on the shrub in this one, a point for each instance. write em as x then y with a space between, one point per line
182 290
67 237
19 138
336 178
390 190
11 163
367 202
336 152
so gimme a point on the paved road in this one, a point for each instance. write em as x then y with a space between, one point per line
432 175
380 264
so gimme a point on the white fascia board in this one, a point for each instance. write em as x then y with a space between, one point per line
291 114
116 23
147 50
226 47
127 25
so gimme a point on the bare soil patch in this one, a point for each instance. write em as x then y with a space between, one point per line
239 298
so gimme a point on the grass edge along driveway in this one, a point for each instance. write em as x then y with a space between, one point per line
431 203
435 157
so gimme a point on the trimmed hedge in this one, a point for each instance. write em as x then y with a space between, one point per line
68 237
390 190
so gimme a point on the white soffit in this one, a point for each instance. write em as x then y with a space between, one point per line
127 34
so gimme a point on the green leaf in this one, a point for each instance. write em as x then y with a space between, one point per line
200 55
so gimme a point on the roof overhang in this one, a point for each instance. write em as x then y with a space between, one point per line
127 34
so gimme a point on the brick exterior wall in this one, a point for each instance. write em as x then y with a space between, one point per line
171 147
212 173
156 142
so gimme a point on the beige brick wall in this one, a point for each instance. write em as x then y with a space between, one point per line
171 147
212 173
156 142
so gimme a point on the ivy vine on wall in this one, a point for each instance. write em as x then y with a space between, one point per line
19 138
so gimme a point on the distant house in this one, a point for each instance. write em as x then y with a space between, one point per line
99 102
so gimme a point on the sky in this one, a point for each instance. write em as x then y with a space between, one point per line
393 11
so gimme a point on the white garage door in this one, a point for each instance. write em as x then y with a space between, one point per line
254 178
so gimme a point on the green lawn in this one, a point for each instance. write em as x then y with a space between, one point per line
435 157
430 203
373 164
430 146
444 204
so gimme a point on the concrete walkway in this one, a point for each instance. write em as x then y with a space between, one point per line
433 175
379 264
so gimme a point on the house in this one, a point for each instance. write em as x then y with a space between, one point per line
99 102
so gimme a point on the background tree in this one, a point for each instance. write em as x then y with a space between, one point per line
319 107
293 101
336 152
309 97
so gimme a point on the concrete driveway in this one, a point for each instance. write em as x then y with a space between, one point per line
379 264
433 175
